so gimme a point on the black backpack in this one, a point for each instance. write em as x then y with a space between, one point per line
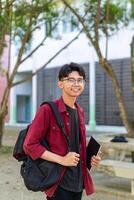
39 174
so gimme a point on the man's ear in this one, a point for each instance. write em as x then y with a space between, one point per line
60 84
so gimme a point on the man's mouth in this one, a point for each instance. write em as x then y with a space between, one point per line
75 89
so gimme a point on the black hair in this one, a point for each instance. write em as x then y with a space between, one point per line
68 68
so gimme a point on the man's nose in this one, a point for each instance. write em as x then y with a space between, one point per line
76 82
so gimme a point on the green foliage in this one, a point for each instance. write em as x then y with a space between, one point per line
6 150
132 8
113 15
20 19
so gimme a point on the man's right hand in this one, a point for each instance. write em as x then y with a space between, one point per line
70 159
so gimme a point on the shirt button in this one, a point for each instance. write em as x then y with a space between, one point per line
67 113
67 123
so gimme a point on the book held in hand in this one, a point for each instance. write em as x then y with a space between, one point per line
93 148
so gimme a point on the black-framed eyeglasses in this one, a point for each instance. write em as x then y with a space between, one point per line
73 81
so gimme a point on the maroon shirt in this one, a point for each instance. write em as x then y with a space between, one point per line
44 126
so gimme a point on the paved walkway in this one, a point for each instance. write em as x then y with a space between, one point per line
12 186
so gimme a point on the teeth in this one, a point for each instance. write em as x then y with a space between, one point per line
75 90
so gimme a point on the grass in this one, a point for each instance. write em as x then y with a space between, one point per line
10 135
6 150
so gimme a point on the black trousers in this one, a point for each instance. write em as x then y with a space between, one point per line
62 194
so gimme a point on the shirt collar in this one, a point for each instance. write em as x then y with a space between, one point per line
61 105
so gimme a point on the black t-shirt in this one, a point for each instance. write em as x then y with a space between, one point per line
72 180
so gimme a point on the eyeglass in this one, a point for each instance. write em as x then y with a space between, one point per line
74 81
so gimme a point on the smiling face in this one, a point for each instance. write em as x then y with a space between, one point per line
72 85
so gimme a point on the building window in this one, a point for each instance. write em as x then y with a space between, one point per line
23 114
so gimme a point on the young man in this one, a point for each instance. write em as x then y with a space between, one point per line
75 175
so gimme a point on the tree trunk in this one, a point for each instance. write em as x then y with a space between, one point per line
131 131
132 63
3 111
119 96
2 118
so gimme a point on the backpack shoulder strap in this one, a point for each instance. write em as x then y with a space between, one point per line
58 119
55 112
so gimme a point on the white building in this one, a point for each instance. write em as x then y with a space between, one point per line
24 96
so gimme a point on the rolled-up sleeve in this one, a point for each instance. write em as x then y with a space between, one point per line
37 132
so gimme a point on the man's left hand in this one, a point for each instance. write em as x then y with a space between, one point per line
95 160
